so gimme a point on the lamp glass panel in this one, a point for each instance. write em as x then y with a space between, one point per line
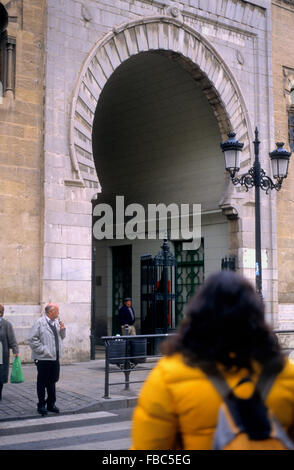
275 167
280 167
283 167
232 159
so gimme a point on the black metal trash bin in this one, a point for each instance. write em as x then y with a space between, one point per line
138 347
117 349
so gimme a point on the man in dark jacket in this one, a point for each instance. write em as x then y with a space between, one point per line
7 341
127 317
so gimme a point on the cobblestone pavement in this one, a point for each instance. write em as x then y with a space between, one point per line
80 388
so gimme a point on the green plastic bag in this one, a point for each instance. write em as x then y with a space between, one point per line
16 376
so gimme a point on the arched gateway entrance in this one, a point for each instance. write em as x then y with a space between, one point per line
153 103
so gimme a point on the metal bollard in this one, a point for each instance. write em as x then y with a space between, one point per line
106 384
127 362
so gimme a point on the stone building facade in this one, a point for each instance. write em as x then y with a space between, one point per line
283 85
137 97
21 164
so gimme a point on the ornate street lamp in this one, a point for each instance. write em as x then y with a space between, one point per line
257 178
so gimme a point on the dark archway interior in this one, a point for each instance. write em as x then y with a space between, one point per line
155 135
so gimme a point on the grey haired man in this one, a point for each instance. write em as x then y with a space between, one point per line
45 340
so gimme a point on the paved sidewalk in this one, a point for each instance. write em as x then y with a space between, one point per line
80 389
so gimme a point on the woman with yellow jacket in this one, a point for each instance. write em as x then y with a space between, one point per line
224 330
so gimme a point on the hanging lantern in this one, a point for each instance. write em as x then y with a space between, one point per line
280 161
232 149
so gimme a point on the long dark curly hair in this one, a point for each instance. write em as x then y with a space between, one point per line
225 324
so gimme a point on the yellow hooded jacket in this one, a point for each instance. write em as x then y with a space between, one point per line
178 406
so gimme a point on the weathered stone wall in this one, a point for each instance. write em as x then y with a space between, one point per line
21 163
283 77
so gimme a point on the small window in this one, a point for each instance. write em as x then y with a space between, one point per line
291 129
3 41
292 96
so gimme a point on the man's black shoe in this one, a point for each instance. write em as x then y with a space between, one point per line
42 411
53 409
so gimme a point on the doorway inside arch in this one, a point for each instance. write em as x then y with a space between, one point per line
156 140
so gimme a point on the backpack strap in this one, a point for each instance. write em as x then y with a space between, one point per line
268 376
263 385
216 378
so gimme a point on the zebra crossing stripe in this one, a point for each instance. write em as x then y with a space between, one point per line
113 444
64 433
54 419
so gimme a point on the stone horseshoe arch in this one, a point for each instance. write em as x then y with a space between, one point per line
168 36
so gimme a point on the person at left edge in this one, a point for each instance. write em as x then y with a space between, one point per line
7 341
45 340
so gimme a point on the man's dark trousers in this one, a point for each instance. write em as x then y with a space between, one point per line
48 375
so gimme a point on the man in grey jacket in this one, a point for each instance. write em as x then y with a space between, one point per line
45 340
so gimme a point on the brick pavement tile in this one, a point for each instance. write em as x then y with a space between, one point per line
20 400
17 403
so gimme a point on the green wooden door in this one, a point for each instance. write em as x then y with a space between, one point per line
190 275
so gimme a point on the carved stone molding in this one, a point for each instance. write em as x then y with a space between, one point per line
165 35
230 212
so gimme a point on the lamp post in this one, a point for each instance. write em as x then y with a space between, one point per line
257 178
93 293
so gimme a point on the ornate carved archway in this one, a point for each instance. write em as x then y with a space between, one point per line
168 36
